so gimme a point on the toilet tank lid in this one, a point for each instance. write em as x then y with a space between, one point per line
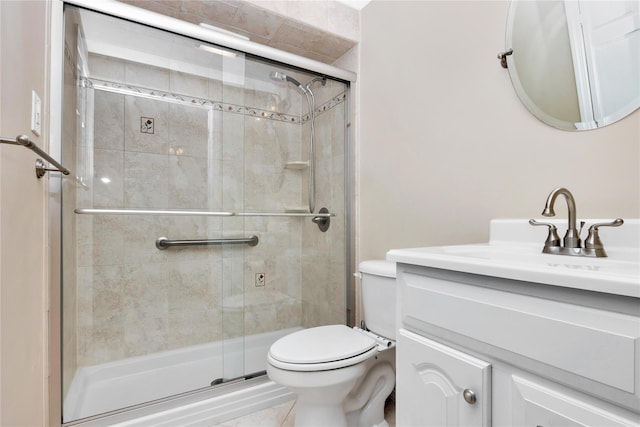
378 267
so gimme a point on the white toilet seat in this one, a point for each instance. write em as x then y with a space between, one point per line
321 349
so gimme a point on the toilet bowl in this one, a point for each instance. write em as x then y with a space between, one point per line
340 375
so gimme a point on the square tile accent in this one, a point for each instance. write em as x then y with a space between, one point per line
146 124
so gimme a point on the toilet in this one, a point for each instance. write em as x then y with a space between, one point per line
341 375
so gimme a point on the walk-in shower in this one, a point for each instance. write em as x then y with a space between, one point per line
188 243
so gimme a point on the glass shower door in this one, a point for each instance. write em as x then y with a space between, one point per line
146 137
179 139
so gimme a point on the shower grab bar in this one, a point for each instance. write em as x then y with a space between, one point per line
41 168
163 243
92 211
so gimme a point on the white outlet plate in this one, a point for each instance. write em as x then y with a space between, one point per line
260 279
36 113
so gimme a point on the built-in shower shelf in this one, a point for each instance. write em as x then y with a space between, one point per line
300 165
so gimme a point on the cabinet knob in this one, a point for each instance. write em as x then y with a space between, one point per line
469 396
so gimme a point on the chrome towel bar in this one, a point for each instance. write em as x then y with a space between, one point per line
286 214
41 168
169 212
92 211
164 243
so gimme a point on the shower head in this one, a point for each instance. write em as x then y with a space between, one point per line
322 80
279 76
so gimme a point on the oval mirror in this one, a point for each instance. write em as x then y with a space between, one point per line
575 64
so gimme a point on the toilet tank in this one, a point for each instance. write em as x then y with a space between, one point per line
378 285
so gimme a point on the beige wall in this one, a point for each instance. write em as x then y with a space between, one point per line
23 284
446 145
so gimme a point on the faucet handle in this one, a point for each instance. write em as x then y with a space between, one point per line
552 238
593 239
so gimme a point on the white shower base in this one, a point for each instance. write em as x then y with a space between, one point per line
124 383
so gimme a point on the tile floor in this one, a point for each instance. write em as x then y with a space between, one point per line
283 415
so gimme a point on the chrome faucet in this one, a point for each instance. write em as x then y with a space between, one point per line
572 237
571 243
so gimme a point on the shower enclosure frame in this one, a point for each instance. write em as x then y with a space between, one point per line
263 393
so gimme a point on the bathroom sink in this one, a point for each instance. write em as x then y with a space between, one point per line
514 251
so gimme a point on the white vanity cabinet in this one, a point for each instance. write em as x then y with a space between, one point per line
440 386
535 405
530 354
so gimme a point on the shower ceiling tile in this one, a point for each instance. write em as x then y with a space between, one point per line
330 46
214 11
281 7
263 21
297 50
294 33
312 43
256 21
171 8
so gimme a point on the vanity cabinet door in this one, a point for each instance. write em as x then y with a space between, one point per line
540 406
440 386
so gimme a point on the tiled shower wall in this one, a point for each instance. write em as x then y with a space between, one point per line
133 299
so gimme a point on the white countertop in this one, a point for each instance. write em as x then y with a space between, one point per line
514 251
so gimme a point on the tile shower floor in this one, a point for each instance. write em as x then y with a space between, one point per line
283 415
